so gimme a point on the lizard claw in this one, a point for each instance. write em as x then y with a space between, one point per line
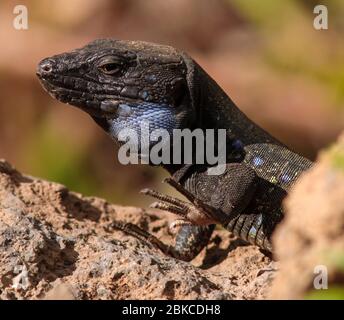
141 234
175 202
145 191
195 212
144 236
176 224
179 210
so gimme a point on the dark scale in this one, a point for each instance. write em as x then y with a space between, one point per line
123 83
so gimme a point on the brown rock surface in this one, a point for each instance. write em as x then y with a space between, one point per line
312 234
58 244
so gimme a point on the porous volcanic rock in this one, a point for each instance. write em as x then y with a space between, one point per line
57 244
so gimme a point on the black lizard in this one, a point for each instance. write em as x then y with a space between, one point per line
122 83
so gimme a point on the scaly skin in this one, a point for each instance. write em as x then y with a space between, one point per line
122 83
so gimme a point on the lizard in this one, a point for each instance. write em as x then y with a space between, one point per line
120 83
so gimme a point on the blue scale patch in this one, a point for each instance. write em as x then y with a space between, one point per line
237 145
285 178
260 220
253 232
158 116
144 94
257 161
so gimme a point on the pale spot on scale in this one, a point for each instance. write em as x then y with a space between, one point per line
273 180
260 219
151 78
257 161
253 232
124 110
285 178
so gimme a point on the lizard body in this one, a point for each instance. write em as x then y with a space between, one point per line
122 83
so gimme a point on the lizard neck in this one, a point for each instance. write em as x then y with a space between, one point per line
216 110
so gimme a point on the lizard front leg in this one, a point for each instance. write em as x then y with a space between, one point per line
222 199
190 238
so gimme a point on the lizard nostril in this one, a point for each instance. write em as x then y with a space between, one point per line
45 68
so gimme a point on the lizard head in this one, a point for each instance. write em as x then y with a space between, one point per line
121 83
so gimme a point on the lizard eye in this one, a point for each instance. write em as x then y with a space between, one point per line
110 67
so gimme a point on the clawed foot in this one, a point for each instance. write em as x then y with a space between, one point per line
146 237
193 212
140 234
168 203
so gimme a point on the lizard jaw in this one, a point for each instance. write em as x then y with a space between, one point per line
93 104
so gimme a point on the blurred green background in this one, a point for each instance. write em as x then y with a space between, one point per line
283 73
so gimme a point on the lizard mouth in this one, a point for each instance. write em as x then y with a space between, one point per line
73 97
96 105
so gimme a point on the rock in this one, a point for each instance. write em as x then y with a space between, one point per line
57 244
310 241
